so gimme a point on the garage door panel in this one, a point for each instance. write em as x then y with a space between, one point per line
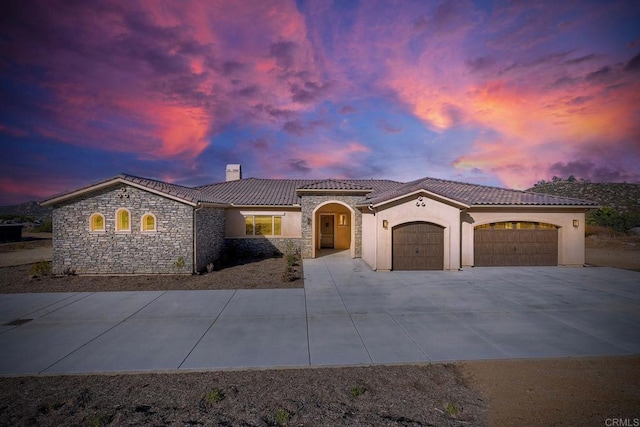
513 247
418 246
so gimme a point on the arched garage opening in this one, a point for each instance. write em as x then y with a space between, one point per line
418 246
515 243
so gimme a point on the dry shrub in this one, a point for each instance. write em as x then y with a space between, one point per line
602 232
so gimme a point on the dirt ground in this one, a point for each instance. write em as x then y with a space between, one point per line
620 252
550 392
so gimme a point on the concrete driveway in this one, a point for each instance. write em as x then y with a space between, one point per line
346 315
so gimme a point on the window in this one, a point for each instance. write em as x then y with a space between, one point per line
263 225
343 220
148 222
96 222
123 222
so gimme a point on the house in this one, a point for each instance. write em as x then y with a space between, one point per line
128 224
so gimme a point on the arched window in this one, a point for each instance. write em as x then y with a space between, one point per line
96 222
123 220
148 222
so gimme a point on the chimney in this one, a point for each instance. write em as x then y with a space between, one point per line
234 172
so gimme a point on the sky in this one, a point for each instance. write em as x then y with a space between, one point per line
499 93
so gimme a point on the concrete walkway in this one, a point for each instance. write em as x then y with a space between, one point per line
346 315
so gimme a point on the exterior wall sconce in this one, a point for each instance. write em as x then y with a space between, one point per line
385 224
576 223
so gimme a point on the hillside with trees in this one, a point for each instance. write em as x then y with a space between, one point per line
620 202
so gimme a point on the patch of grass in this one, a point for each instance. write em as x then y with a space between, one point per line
452 409
179 264
292 260
46 408
214 396
357 391
99 420
282 416
40 269
288 275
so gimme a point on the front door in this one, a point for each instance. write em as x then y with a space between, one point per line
326 232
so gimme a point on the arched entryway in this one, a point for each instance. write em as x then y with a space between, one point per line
333 228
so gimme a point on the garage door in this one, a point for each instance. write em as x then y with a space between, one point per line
418 246
515 243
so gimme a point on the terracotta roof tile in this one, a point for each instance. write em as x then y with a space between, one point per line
332 184
282 192
476 195
189 194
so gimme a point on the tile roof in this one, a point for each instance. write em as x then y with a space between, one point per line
282 192
188 194
332 184
475 195
185 194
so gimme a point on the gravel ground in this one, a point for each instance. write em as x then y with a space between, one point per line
435 394
256 274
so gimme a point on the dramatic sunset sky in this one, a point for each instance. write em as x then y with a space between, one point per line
492 92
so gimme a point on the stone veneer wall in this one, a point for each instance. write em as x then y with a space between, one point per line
265 246
310 202
111 252
210 243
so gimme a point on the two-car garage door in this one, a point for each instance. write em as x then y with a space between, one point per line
515 243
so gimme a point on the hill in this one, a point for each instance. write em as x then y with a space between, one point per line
623 197
27 212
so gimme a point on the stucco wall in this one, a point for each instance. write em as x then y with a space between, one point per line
570 239
75 247
210 226
235 222
369 239
406 210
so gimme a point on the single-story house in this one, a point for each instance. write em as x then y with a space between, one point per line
128 224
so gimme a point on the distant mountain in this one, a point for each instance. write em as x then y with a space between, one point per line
623 197
26 210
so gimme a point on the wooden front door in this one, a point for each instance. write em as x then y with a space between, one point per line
418 246
326 232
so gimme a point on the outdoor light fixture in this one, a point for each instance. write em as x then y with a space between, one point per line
576 223
385 224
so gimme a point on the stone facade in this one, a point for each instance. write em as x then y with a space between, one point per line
310 202
265 246
210 242
169 249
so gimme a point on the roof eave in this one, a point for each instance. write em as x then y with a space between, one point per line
264 206
535 206
105 184
432 195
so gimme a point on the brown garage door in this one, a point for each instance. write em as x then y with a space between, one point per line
418 246
515 243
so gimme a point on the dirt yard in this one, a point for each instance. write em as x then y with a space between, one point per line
550 392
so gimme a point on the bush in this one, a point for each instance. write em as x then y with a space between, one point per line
41 268
45 227
606 216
